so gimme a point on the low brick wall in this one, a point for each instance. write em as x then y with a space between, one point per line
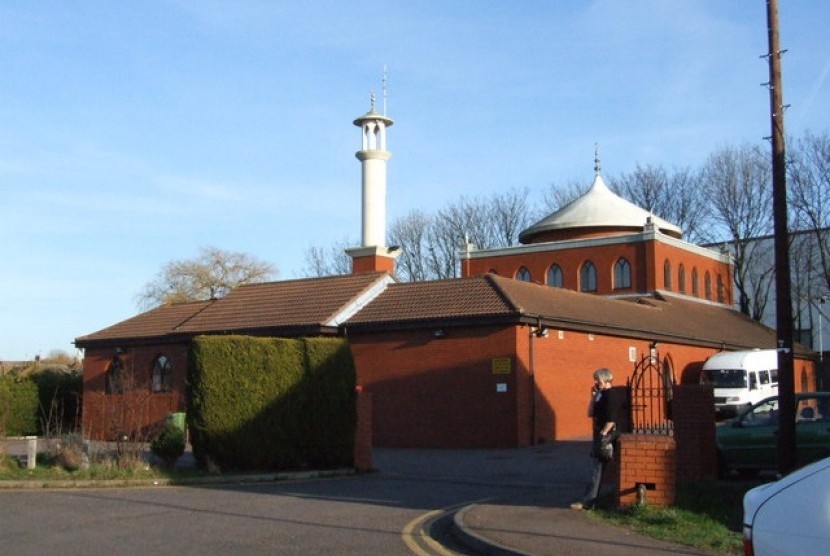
647 469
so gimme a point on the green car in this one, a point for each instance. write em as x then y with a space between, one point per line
748 443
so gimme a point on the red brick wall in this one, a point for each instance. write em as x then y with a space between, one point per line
363 433
647 260
693 409
442 392
138 410
564 369
648 460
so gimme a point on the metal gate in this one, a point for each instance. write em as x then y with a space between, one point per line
650 394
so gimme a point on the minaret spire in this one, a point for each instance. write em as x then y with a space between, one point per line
597 166
373 255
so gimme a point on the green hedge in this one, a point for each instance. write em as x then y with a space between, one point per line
61 395
19 406
271 403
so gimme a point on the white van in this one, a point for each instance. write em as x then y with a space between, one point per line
741 378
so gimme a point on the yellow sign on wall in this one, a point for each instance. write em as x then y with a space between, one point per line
501 365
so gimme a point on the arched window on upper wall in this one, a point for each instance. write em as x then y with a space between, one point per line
523 274
707 285
681 278
721 290
555 276
622 274
695 290
588 277
115 377
667 275
162 376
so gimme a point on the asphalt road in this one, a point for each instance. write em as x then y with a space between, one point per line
378 513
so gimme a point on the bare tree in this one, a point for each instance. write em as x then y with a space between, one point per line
736 181
809 179
509 214
214 273
331 261
675 197
411 234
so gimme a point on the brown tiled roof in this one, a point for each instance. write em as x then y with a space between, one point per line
307 306
304 306
660 316
657 317
413 302
155 323
288 304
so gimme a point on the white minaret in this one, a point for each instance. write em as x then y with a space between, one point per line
373 157
373 255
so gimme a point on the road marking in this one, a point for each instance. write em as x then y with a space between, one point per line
414 532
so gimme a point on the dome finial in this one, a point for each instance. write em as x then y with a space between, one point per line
372 101
597 166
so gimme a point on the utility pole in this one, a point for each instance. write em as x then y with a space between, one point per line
783 297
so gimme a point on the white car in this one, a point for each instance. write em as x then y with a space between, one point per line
790 516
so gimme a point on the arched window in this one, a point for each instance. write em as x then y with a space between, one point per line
622 274
555 277
523 274
695 290
588 277
162 377
667 275
707 285
114 378
681 278
721 290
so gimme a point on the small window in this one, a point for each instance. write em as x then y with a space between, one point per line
115 378
588 277
763 376
681 279
667 275
523 274
162 378
721 290
622 274
555 277
773 376
695 290
707 285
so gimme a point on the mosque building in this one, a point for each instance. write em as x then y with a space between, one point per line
501 357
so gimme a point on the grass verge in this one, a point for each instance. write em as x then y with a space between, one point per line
706 515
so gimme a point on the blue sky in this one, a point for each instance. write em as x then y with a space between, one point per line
134 133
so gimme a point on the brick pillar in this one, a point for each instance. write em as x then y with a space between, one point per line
693 411
647 467
363 433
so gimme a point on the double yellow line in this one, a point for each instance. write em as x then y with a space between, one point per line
419 541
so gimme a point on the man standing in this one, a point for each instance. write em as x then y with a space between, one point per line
604 409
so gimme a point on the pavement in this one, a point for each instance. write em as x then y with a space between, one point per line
533 517
528 513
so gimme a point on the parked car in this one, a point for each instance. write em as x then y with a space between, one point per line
749 442
790 517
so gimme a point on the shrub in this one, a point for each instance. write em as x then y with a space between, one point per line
168 446
70 452
18 406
